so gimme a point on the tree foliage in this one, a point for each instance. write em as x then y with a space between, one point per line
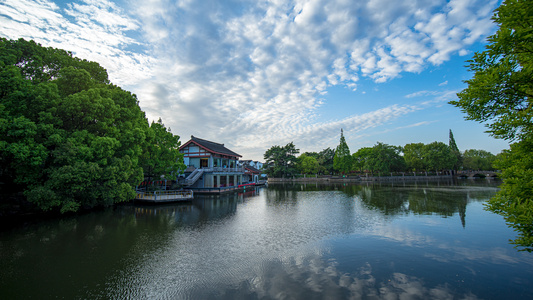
308 164
360 159
456 152
439 156
501 90
68 137
342 160
413 155
474 159
281 161
514 201
385 158
325 161
500 95
162 156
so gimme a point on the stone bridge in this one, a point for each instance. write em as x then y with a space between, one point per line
478 174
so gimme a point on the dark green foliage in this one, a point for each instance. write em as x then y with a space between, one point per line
342 161
381 158
68 138
414 156
360 159
439 156
478 160
162 156
281 161
456 152
500 95
385 158
515 201
501 90
307 164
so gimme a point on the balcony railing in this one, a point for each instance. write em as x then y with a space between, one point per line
221 169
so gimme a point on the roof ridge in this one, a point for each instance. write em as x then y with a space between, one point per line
197 138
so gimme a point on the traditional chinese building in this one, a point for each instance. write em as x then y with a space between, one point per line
211 166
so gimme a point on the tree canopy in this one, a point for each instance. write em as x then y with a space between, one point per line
281 161
475 159
308 164
68 137
413 154
342 160
439 156
385 158
501 90
500 95
455 151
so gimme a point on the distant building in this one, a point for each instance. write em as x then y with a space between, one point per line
211 165
252 163
251 174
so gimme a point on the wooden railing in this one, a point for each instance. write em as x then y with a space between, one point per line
165 195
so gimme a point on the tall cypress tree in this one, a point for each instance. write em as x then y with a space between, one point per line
342 161
456 152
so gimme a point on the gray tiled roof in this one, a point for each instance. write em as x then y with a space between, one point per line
212 146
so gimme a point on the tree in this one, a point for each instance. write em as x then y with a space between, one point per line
307 164
501 90
342 160
456 152
500 95
360 159
325 161
385 158
281 161
514 200
413 155
68 137
478 160
439 156
161 156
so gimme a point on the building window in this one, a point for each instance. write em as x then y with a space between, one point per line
204 162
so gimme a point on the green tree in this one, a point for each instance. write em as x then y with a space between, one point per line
439 156
479 160
360 159
456 152
325 161
307 164
499 95
514 201
281 161
385 158
342 160
68 138
414 156
161 156
501 90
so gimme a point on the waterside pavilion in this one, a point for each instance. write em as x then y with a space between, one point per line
211 167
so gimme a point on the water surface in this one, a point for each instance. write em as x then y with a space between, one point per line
409 241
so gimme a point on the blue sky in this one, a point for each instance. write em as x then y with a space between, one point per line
253 74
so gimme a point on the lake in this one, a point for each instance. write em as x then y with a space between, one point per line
413 240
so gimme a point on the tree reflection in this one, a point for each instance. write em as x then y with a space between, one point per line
443 198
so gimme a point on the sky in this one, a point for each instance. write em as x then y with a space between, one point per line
252 74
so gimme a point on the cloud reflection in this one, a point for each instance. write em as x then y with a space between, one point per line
314 278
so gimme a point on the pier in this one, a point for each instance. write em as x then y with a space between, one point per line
165 196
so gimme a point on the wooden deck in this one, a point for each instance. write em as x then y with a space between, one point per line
164 196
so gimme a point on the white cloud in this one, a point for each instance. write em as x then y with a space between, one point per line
93 30
248 72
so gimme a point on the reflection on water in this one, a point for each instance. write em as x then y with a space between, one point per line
381 241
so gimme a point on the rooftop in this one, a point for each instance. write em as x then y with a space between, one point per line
211 146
